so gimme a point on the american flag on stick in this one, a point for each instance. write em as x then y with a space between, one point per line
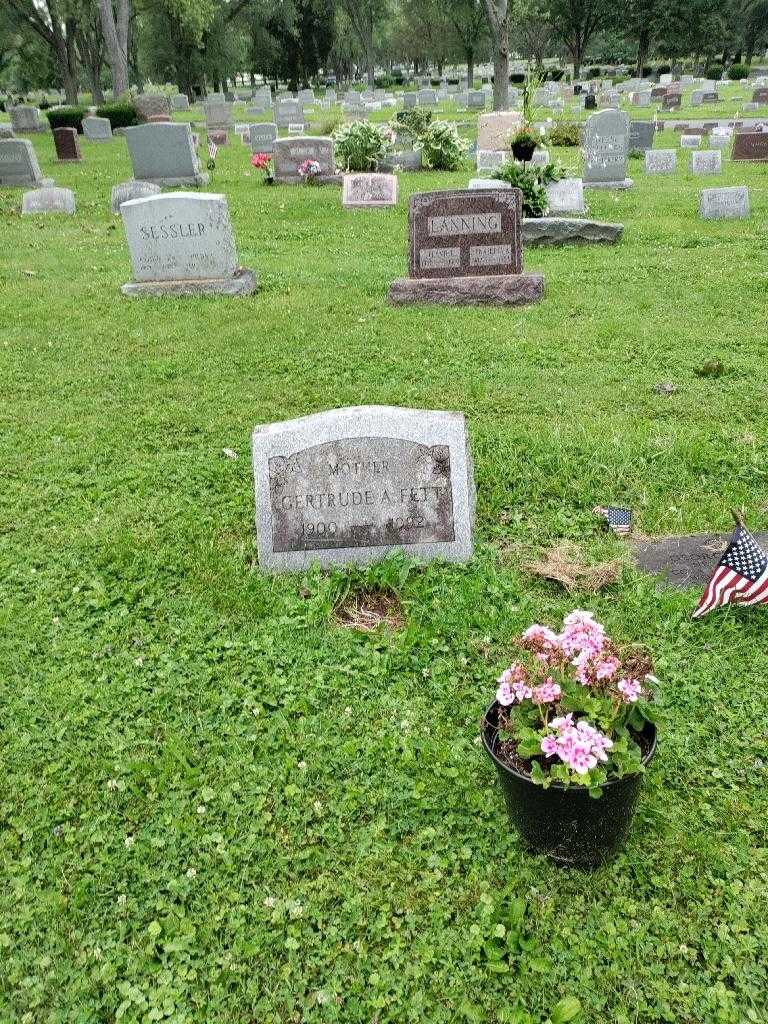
741 576
212 150
618 519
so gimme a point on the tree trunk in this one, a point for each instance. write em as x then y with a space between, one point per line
115 32
469 53
643 44
498 22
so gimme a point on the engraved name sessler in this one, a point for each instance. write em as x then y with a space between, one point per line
166 231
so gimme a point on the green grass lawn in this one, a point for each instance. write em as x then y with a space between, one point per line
217 806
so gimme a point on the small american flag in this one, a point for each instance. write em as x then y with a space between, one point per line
741 575
212 150
618 519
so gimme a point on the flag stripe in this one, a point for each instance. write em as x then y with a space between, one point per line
708 599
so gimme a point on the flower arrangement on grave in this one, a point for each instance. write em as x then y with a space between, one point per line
525 140
573 708
263 162
309 171
442 148
532 182
360 145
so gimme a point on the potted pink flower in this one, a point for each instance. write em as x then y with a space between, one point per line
263 162
309 172
571 732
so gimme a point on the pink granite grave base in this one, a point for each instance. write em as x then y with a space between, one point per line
486 290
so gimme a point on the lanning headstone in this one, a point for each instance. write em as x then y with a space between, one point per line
352 485
182 243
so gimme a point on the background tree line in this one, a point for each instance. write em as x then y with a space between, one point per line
199 44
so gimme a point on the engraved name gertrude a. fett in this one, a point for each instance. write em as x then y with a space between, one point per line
166 231
465 224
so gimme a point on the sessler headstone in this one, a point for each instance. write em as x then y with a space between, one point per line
724 203
465 248
182 244
48 200
67 144
164 154
366 191
352 485
606 144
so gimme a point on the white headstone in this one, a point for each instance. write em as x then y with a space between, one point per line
48 200
660 161
566 196
707 161
724 203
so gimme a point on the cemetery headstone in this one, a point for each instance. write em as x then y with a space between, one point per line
18 164
641 135
369 190
710 97
164 154
475 99
67 144
760 97
97 129
465 249
182 244
590 101
707 161
606 144
48 200
660 161
490 159
218 116
690 141
263 137
288 111
218 137
724 203
289 154
494 130
671 101
7 132
131 190
481 183
26 120
352 485
750 146
151 103
180 101
566 196
426 98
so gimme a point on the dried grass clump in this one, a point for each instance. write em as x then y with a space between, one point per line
563 563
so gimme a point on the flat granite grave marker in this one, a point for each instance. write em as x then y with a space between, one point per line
707 161
352 485
263 137
48 200
760 97
566 196
465 248
180 101
687 561
18 164
606 143
164 154
490 159
724 203
7 132
97 129
369 190
131 190
671 101
67 144
290 154
182 244
750 146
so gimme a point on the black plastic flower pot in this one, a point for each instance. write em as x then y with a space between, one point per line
567 824
523 151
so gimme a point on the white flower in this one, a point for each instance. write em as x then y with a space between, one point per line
302 766
191 873
112 783
122 899
270 902
318 806
201 809
129 842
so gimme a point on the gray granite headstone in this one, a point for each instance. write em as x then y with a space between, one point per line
182 244
352 485
289 154
26 120
262 137
147 104
7 132
18 163
218 116
690 141
288 111
97 129
484 183
180 101
660 161
164 154
606 143
641 134
48 200
724 203
707 161
566 196
131 190
369 190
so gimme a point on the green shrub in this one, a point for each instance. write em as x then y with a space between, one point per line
564 133
738 71
555 74
121 115
360 145
714 71
416 120
67 117
664 69
441 146
594 72
532 182
517 79
330 126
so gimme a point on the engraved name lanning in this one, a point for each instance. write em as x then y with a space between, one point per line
465 224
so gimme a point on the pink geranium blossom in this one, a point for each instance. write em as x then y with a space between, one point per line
547 692
630 690
591 668
579 746
544 642
581 634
